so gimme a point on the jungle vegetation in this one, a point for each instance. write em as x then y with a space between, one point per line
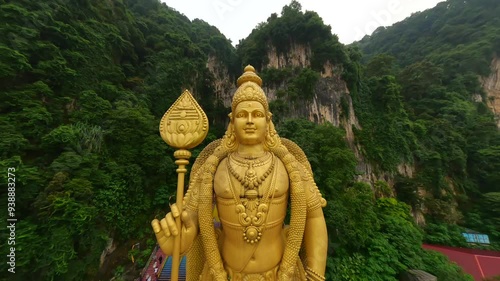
422 75
83 85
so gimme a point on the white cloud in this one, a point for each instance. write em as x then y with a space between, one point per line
350 20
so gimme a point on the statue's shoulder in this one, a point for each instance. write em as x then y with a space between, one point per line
316 199
292 148
204 154
297 152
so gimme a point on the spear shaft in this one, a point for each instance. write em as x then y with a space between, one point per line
183 126
181 155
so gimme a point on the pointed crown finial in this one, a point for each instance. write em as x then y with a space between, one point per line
249 76
249 89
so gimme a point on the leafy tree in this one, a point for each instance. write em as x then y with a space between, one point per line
83 85
438 56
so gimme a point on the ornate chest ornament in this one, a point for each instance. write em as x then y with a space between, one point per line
251 206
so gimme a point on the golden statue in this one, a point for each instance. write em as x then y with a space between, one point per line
250 175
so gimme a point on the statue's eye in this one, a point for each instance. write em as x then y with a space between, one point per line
240 114
259 114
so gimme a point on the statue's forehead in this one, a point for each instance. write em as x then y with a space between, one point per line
249 105
250 91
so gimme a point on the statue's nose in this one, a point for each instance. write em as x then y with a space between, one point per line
249 120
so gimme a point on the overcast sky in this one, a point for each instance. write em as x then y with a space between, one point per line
349 19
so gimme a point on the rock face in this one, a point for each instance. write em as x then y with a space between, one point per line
110 248
325 106
331 102
329 91
326 103
297 56
491 86
224 87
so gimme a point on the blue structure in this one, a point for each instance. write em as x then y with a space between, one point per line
167 269
476 238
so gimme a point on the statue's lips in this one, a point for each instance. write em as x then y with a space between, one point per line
250 130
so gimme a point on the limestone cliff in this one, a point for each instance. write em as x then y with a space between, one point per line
297 56
330 91
491 86
331 101
224 87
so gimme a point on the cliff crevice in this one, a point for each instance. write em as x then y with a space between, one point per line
491 86
223 86
331 102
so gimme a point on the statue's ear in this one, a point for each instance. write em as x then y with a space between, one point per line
269 116
272 138
230 117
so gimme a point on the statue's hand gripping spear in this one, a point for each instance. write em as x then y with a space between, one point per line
184 126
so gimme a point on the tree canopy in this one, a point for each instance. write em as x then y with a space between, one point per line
84 84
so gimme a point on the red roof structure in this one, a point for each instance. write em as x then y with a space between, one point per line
478 263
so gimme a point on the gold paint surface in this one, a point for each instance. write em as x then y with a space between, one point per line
253 174
185 124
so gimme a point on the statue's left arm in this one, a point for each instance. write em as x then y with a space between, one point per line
315 236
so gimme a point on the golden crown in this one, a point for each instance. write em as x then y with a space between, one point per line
249 89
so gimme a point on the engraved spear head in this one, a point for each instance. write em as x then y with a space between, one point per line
184 125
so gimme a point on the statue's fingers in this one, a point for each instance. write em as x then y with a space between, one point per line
164 226
171 224
155 224
174 210
187 220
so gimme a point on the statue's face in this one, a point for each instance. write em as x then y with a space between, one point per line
250 123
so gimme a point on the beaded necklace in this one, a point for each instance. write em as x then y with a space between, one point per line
250 181
252 211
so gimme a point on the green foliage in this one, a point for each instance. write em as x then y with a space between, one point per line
371 239
274 76
378 240
490 206
381 65
294 87
489 175
444 126
118 208
400 231
293 27
346 267
438 265
119 273
332 161
352 217
382 189
444 234
302 85
387 136
279 108
461 36
83 85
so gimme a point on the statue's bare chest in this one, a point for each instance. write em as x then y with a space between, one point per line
237 179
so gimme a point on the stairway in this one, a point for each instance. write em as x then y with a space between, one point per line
167 268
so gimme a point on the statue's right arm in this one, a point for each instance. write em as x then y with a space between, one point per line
166 229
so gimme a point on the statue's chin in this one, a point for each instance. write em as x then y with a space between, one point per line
251 141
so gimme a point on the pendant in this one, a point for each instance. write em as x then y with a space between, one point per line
252 234
252 224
